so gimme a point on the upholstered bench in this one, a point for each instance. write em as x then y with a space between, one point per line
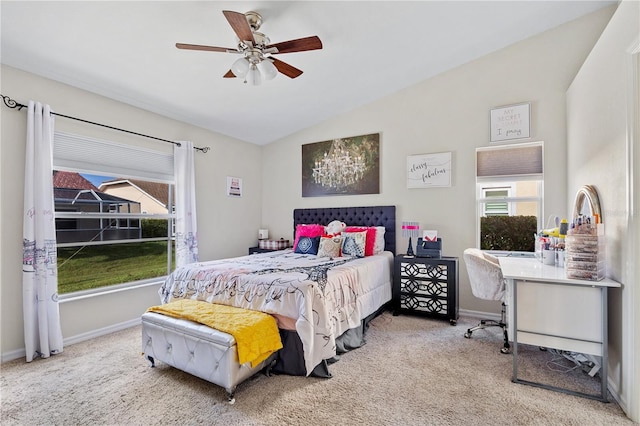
198 350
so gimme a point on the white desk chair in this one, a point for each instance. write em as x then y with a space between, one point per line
487 283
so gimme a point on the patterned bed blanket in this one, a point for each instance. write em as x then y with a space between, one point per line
320 293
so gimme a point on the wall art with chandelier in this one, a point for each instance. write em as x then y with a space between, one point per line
429 170
345 166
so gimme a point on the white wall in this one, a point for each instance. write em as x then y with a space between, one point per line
226 226
602 120
449 112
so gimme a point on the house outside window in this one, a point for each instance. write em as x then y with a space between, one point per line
75 198
103 238
496 208
509 182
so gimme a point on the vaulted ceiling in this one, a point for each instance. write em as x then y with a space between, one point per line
125 50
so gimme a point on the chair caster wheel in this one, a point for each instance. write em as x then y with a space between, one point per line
505 351
467 335
453 322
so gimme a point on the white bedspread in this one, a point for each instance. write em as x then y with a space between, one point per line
325 296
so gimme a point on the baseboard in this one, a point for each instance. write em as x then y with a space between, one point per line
68 341
615 392
11 355
101 331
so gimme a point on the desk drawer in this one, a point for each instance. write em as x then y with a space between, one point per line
573 312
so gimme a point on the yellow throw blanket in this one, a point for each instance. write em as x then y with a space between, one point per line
256 333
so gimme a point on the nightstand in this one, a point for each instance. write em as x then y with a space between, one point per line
426 286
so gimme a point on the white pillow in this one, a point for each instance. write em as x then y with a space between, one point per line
378 247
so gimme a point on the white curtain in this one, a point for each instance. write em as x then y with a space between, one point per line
42 331
186 224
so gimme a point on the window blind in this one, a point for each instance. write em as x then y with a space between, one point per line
510 161
89 155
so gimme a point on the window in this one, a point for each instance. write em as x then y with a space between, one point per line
103 237
509 182
496 208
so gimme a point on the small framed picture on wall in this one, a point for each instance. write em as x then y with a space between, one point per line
342 166
511 122
234 186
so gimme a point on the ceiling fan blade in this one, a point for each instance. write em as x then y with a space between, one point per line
286 69
201 47
298 45
238 22
229 74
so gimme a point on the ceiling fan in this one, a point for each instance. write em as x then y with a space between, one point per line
257 60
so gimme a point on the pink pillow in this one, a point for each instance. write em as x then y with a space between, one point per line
304 230
371 237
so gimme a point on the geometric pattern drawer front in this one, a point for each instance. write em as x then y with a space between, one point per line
435 273
423 287
418 302
430 279
426 286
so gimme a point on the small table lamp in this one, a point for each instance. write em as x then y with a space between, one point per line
410 229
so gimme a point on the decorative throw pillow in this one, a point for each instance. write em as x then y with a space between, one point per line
370 237
353 243
304 230
330 246
308 245
378 247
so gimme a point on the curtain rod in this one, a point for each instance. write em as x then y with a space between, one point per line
13 104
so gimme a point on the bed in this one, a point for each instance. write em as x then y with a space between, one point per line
322 304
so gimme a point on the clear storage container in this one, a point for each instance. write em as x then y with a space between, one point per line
585 252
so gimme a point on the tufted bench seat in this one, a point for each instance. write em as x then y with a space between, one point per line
196 349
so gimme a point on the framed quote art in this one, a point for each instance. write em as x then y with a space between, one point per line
511 122
429 170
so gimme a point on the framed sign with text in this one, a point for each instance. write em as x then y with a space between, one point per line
511 122
234 186
429 170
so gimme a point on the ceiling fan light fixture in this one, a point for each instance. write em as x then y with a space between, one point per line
253 76
268 70
240 67
255 66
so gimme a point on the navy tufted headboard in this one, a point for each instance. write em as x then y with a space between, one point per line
353 216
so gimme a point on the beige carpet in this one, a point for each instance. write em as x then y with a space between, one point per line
413 371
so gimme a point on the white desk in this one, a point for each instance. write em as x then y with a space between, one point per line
547 309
